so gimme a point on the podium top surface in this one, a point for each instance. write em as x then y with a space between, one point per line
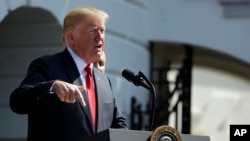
136 135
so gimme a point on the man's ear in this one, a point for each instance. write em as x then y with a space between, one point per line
70 37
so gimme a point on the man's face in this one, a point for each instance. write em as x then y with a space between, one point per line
88 40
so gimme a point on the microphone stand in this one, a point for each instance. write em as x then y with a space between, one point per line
152 89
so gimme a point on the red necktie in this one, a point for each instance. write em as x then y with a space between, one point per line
91 93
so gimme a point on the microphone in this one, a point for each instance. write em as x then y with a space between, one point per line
136 79
139 80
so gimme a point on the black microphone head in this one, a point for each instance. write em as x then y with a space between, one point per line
136 79
129 75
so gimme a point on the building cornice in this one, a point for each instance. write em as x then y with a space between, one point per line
236 8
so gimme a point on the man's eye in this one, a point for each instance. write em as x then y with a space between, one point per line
101 64
102 31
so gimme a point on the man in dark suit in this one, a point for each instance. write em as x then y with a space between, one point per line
54 92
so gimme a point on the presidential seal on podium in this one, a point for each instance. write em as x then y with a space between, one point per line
165 133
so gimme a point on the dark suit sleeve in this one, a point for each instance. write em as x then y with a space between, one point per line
119 120
34 90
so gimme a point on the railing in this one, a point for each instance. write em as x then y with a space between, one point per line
175 102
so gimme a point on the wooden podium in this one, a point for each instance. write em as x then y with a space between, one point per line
135 135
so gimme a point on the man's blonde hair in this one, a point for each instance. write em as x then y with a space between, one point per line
77 15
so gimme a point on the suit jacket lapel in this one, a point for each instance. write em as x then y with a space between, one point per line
75 78
103 96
